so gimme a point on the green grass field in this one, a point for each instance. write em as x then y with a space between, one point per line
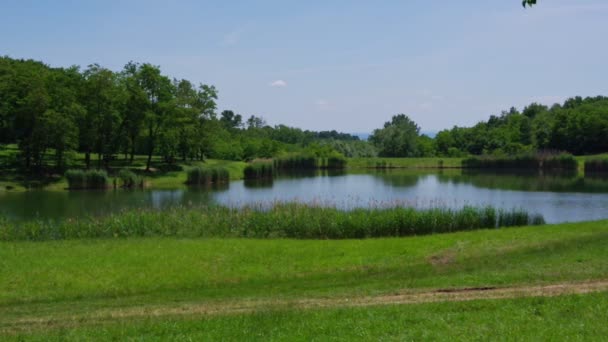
565 318
80 287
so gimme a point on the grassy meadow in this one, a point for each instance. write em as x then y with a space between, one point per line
571 318
79 287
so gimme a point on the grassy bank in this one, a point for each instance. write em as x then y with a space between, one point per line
291 220
60 279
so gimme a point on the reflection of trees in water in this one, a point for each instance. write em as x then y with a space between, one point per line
296 174
258 183
528 181
401 178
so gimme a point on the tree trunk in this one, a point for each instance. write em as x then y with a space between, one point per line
87 159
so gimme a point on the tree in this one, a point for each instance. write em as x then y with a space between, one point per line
99 124
528 3
255 122
398 138
159 104
231 120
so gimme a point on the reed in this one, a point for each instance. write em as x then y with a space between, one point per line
207 175
296 162
90 179
128 179
259 170
596 166
336 162
288 220
536 161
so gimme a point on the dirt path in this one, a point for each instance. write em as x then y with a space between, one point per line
239 307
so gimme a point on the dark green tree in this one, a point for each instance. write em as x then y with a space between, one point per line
398 138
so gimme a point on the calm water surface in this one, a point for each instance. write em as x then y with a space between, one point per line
557 198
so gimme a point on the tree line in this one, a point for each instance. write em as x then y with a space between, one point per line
578 126
51 113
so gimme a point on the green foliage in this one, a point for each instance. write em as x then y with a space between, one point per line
89 179
534 161
296 162
398 138
335 161
301 221
207 175
577 126
259 170
596 166
128 179
352 148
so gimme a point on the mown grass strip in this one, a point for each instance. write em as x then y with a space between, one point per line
572 318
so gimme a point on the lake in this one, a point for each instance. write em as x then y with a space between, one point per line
559 198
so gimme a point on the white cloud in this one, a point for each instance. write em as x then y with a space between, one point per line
278 84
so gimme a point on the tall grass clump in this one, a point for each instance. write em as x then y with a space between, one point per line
535 161
128 179
296 162
207 175
289 220
336 162
76 179
259 170
596 166
89 179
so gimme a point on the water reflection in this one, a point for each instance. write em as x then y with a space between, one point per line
558 198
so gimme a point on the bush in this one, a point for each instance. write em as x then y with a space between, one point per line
536 161
259 170
335 162
296 162
76 179
90 179
596 166
207 175
129 179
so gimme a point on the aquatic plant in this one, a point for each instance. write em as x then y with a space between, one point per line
536 161
89 179
296 162
129 179
281 220
207 175
596 166
259 170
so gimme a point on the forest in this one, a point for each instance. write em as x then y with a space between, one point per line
51 114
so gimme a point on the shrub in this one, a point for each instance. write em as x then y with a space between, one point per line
76 179
90 179
335 162
596 166
129 179
259 170
296 162
207 175
536 161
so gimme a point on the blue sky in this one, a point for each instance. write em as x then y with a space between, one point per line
345 65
